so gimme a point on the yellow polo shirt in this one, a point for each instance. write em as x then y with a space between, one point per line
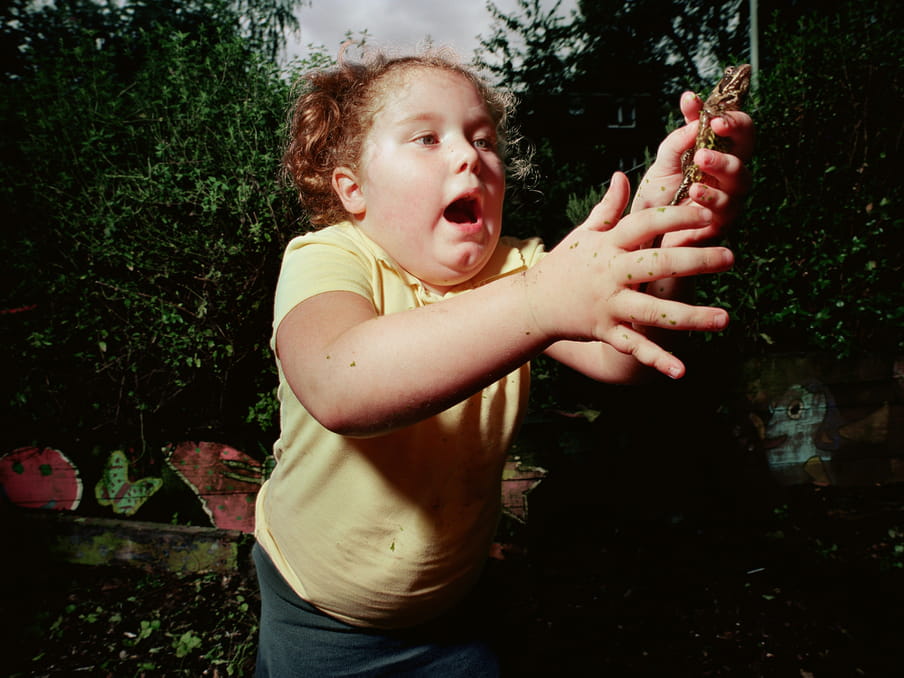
392 530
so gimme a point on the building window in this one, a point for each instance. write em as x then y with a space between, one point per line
624 113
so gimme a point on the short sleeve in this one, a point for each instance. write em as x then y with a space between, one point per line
313 265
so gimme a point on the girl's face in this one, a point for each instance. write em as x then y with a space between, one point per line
431 183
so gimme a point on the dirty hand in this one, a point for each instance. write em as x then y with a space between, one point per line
727 181
588 287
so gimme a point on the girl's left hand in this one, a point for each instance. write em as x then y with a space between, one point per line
727 180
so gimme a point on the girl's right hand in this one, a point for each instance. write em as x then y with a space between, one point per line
588 288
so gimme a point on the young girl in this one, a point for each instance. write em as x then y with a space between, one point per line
403 331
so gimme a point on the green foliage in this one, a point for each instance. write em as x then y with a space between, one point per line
612 44
818 267
597 88
818 264
177 625
144 221
529 49
146 224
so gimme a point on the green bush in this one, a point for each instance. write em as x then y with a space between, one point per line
819 264
147 226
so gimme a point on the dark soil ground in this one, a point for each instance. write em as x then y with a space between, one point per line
810 584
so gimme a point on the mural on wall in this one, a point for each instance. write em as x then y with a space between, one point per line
839 430
807 420
518 480
40 478
224 480
117 490
801 431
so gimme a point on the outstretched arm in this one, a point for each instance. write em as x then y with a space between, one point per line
728 180
359 373
629 316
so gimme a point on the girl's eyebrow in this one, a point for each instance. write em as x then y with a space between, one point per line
417 117
427 116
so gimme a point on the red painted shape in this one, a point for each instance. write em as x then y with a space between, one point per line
225 480
517 482
32 477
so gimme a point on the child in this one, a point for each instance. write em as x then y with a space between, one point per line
403 331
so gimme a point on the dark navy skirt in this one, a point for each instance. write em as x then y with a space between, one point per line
298 640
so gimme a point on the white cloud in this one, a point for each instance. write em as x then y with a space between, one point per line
400 24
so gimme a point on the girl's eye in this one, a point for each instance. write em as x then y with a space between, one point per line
427 140
484 144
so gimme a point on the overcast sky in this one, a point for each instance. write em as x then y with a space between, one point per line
401 24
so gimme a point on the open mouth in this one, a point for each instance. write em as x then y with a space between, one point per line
463 211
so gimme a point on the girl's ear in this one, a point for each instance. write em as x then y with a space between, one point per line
347 187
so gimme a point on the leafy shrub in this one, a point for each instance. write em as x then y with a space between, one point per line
818 265
146 221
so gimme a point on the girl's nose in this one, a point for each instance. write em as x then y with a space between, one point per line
466 157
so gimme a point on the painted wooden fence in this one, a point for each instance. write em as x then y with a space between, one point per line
810 419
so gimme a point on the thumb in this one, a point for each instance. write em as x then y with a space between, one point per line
690 105
609 210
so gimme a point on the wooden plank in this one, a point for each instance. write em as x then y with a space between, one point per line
153 547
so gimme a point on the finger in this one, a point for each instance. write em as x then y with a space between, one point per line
642 266
710 197
673 146
725 171
608 211
629 341
737 126
650 311
723 206
641 227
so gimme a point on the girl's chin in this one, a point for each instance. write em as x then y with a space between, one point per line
460 274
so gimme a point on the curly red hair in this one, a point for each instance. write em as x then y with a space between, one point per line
331 117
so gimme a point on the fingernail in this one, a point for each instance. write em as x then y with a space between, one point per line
706 215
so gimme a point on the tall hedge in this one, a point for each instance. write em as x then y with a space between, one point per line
145 227
820 262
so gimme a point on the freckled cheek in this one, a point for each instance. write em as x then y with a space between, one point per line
417 190
407 195
497 185
494 207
